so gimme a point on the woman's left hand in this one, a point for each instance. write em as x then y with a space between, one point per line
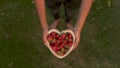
77 38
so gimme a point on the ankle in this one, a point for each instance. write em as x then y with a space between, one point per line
69 25
55 23
57 20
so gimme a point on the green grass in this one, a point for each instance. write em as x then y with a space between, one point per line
21 45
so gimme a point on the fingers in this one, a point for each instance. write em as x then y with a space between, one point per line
45 36
76 42
45 40
75 46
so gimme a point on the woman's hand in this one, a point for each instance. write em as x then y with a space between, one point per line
45 32
77 38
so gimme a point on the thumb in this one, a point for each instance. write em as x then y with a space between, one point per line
75 45
45 41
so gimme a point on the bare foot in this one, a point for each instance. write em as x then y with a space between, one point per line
54 24
69 26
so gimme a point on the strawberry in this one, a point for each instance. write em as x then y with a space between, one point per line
70 44
53 33
63 36
49 38
69 35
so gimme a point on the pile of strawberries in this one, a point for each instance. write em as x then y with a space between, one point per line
60 43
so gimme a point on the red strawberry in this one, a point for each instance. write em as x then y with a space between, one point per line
58 48
70 44
63 36
57 36
53 33
49 38
54 48
64 41
70 40
69 35
56 43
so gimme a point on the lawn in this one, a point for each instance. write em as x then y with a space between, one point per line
21 44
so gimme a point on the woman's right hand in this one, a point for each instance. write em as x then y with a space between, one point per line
45 32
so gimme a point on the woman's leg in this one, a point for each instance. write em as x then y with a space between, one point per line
54 7
71 9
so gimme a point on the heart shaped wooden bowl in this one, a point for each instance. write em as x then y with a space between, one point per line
60 33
